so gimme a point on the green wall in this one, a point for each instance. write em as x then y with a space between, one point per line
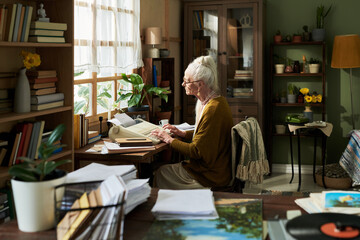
344 18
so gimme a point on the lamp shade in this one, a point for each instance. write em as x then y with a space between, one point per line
153 35
346 51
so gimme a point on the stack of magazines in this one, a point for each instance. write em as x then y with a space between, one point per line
185 204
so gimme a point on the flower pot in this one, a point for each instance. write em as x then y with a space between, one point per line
279 68
34 203
291 98
296 39
277 38
165 83
308 113
280 129
318 34
22 93
288 69
139 109
314 68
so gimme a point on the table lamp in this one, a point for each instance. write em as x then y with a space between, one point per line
153 37
346 54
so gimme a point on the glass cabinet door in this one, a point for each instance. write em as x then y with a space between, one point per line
205 25
240 52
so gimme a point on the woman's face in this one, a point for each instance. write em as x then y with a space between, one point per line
191 86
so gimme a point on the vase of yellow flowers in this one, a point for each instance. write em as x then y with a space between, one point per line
314 98
22 89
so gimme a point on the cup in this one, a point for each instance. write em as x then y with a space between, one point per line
280 129
162 122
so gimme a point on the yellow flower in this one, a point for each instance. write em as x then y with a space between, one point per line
308 98
319 98
30 60
304 91
313 99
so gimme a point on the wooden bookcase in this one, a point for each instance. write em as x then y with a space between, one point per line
54 56
232 33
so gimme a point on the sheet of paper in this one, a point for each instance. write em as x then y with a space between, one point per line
185 126
114 146
124 119
98 172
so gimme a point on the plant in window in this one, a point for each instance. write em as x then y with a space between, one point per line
139 91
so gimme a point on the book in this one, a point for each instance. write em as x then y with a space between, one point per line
134 142
42 85
76 131
47 105
11 20
2 155
41 39
23 27
22 14
3 143
22 127
27 139
2 20
94 139
17 21
42 124
10 138
46 33
41 74
34 131
47 98
92 134
43 91
28 21
115 148
48 25
15 149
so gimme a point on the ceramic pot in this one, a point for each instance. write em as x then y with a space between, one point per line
288 69
22 93
296 39
277 38
279 68
291 98
308 113
314 68
35 202
139 109
318 34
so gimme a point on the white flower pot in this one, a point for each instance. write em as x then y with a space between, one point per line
279 68
314 68
34 203
291 98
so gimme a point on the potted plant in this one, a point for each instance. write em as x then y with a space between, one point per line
277 37
292 93
33 185
314 65
279 65
306 33
318 34
164 113
288 68
296 38
136 95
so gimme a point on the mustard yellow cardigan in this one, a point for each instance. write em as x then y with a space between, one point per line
210 148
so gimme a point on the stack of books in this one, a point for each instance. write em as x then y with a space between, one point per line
47 32
43 90
4 208
15 22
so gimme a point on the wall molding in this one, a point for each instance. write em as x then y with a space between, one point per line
286 168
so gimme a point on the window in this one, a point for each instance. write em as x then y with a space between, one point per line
107 43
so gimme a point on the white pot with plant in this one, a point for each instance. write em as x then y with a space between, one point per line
33 185
314 65
292 93
136 95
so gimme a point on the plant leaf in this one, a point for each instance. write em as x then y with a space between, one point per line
56 134
23 172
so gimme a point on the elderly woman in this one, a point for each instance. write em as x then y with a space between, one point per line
208 147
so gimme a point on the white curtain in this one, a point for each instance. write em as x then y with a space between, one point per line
107 36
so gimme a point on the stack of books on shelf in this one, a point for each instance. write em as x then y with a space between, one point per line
243 74
43 90
15 22
6 91
23 142
93 136
4 208
81 132
47 32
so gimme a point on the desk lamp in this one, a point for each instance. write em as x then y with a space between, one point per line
346 54
153 37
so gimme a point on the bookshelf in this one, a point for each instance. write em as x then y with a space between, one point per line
57 56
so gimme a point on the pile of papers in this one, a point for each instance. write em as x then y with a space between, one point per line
185 126
331 201
185 204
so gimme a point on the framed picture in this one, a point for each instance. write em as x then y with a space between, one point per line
143 115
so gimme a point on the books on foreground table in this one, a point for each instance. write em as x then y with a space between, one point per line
185 204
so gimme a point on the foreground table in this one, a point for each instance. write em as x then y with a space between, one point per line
138 222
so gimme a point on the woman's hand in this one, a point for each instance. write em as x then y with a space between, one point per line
174 130
162 135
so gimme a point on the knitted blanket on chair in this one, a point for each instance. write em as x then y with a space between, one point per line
253 163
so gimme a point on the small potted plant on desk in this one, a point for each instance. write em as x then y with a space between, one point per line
33 185
138 92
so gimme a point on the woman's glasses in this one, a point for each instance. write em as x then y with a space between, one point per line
186 81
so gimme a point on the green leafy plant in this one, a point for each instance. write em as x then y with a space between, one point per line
139 91
314 61
278 32
35 171
320 15
306 28
292 89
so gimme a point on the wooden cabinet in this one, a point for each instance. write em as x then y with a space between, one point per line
165 79
54 56
283 52
232 33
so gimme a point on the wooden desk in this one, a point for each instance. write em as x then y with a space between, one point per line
83 158
138 222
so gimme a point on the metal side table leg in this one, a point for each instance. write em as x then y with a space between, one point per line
292 159
299 159
323 148
314 162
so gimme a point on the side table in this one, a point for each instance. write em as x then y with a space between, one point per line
315 132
